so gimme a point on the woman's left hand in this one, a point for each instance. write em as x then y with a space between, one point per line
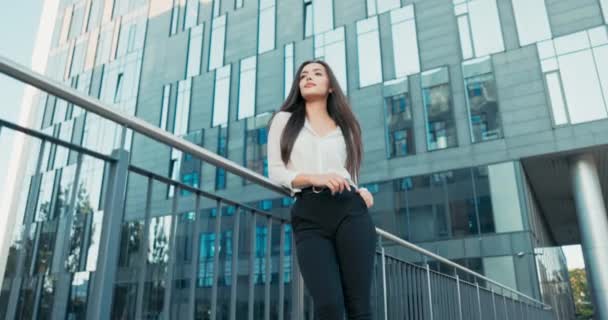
367 196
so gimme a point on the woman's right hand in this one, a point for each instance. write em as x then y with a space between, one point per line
333 181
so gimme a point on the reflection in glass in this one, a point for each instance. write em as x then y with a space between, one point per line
130 244
485 204
400 125
437 100
247 87
78 296
154 298
405 41
222 150
256 139
46 246
27 296
368 52
47 296
266 25
158 245
481 100
125 298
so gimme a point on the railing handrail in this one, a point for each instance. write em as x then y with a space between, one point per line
44 83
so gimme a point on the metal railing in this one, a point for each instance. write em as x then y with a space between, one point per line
403 289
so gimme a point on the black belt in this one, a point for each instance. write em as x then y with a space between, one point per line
313 189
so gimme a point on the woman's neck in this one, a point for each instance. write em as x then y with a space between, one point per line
317 111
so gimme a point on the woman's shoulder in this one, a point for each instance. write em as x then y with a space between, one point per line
282 116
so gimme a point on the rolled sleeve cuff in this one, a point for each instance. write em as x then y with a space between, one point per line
288 183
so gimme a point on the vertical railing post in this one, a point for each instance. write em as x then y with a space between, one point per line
281 271
494 304
235 262
195 257
428 281
385 301
216 258
478 299
459 294
102 289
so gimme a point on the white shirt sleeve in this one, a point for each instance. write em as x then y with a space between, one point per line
277 171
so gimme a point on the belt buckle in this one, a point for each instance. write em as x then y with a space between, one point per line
313 190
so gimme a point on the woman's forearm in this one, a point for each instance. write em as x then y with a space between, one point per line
302 180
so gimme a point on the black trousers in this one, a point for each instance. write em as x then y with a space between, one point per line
335 241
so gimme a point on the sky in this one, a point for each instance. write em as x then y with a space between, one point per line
18 28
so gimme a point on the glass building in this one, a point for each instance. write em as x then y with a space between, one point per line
468 108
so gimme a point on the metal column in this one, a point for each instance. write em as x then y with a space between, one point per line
593 224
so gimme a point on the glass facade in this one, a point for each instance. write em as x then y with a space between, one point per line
266 25
399 120
482 100
247 87
256 139
437 100
479 27
532 21
330 47
368 51
575 67
405 41
218 39
170 255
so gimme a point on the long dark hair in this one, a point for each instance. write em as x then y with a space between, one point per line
338 109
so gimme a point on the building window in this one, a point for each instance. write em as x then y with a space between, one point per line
218 38
174 17
400 127
191 14
437 100
195 49
180 127
368 52
247 87
532 21
405 41
205 260
323 16
222 150
575 67
190 171
482 102
256 139
119 85
216 8
266 25
164 110
379 6
289 69
307 18
330 48
604 4
238 4
479 27
221 96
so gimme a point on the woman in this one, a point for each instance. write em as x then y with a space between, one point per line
315 150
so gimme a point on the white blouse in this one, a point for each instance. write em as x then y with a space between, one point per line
311 154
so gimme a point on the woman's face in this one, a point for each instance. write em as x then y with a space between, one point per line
314 81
